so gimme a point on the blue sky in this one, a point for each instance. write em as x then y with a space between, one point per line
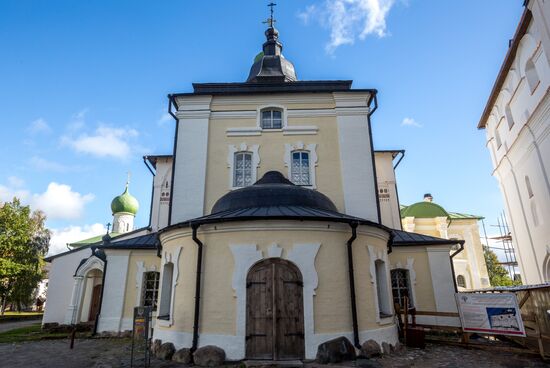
84 84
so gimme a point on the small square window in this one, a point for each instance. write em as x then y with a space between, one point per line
272 119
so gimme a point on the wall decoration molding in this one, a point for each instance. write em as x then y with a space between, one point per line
300 146
243 147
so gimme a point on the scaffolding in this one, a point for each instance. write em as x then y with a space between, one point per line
503 243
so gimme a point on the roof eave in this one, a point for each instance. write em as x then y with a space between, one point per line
505 67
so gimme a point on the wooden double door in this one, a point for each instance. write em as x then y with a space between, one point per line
274 311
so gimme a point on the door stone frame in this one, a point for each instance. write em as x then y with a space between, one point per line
303 256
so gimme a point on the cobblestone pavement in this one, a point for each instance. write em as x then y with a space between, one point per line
115 353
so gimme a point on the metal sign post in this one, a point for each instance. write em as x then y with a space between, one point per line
141 356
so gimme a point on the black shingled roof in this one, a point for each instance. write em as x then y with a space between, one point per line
404 238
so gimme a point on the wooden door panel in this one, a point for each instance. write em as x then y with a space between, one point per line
259 325
275 316
290 326
94 304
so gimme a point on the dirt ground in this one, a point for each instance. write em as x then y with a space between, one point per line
115 353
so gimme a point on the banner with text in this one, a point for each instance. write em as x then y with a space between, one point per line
490 313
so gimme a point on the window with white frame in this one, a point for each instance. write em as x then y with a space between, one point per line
401 287
166 293
531 75
381 288
300 168
150 290
271 118
461 281
242 169
497 138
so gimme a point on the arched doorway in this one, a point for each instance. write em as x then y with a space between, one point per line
274 311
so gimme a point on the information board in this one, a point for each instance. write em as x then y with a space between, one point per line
140 337
490 313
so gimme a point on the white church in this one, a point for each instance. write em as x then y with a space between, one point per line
268 235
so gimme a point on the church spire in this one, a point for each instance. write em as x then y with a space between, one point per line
270 66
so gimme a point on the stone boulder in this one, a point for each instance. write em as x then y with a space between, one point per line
183 356
335 351
209 356
370 348
155 346
166 351
386 348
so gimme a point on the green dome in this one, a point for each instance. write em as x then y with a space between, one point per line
424 209
259 56
125 203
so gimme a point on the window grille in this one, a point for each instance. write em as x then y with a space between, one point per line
400 286
272 119
150 289
242 169
299 172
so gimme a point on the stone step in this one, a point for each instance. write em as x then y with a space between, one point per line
273 364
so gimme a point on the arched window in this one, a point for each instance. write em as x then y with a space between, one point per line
401 287
535 214
461 281
150 289
381 288
166 293
531 75
509 117
299 171
242 167
272 118
528 185
497 138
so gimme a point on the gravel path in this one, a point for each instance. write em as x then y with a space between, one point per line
115 353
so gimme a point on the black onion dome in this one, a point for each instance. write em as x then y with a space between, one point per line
270 66
273 190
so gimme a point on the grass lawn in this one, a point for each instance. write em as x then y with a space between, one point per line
29 333
23 313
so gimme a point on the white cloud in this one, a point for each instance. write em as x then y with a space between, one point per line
411 122
61 237
15 182
164 118
104 142
39 126
7 193
60 202
349 19
42 164
78 120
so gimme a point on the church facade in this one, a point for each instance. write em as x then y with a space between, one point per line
516 120
267 233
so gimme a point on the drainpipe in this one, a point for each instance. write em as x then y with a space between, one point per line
172 101
375 177
100 296
197 288
352 285
461 243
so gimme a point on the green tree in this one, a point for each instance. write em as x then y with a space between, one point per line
23 244
498 276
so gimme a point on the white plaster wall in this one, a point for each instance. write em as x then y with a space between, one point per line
442 279
60 285
110 318
190 168
385 174
521 115
161 201
356 155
